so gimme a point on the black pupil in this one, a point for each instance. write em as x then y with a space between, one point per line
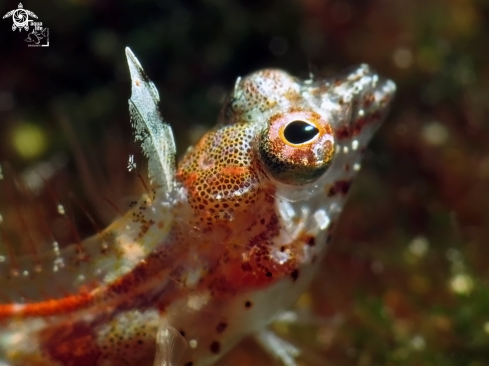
299 132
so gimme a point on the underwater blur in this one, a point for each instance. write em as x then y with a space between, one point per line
405 280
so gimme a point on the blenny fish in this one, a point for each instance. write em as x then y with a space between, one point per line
218 246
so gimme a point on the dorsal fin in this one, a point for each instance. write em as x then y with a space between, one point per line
155 135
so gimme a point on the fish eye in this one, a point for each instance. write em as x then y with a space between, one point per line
300 132
297 147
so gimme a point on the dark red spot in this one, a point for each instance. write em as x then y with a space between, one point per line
248 304
294 274
182 333
339 187
246 266
356 127
368 100
215 347
190 363
71 344
343 133
221 327
311 241
269 274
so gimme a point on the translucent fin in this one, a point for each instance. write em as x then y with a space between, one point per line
170 346
277 347
155 135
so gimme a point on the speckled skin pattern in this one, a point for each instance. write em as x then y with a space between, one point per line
234 243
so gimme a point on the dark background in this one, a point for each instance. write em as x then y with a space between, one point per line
406 280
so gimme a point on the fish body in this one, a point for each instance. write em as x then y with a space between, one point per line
220 244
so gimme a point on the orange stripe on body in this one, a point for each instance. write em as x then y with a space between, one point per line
46 308
83 299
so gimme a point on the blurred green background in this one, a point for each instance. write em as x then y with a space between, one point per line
406 279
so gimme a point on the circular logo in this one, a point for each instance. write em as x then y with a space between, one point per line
20 17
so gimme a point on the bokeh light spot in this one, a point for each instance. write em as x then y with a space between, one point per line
29 140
